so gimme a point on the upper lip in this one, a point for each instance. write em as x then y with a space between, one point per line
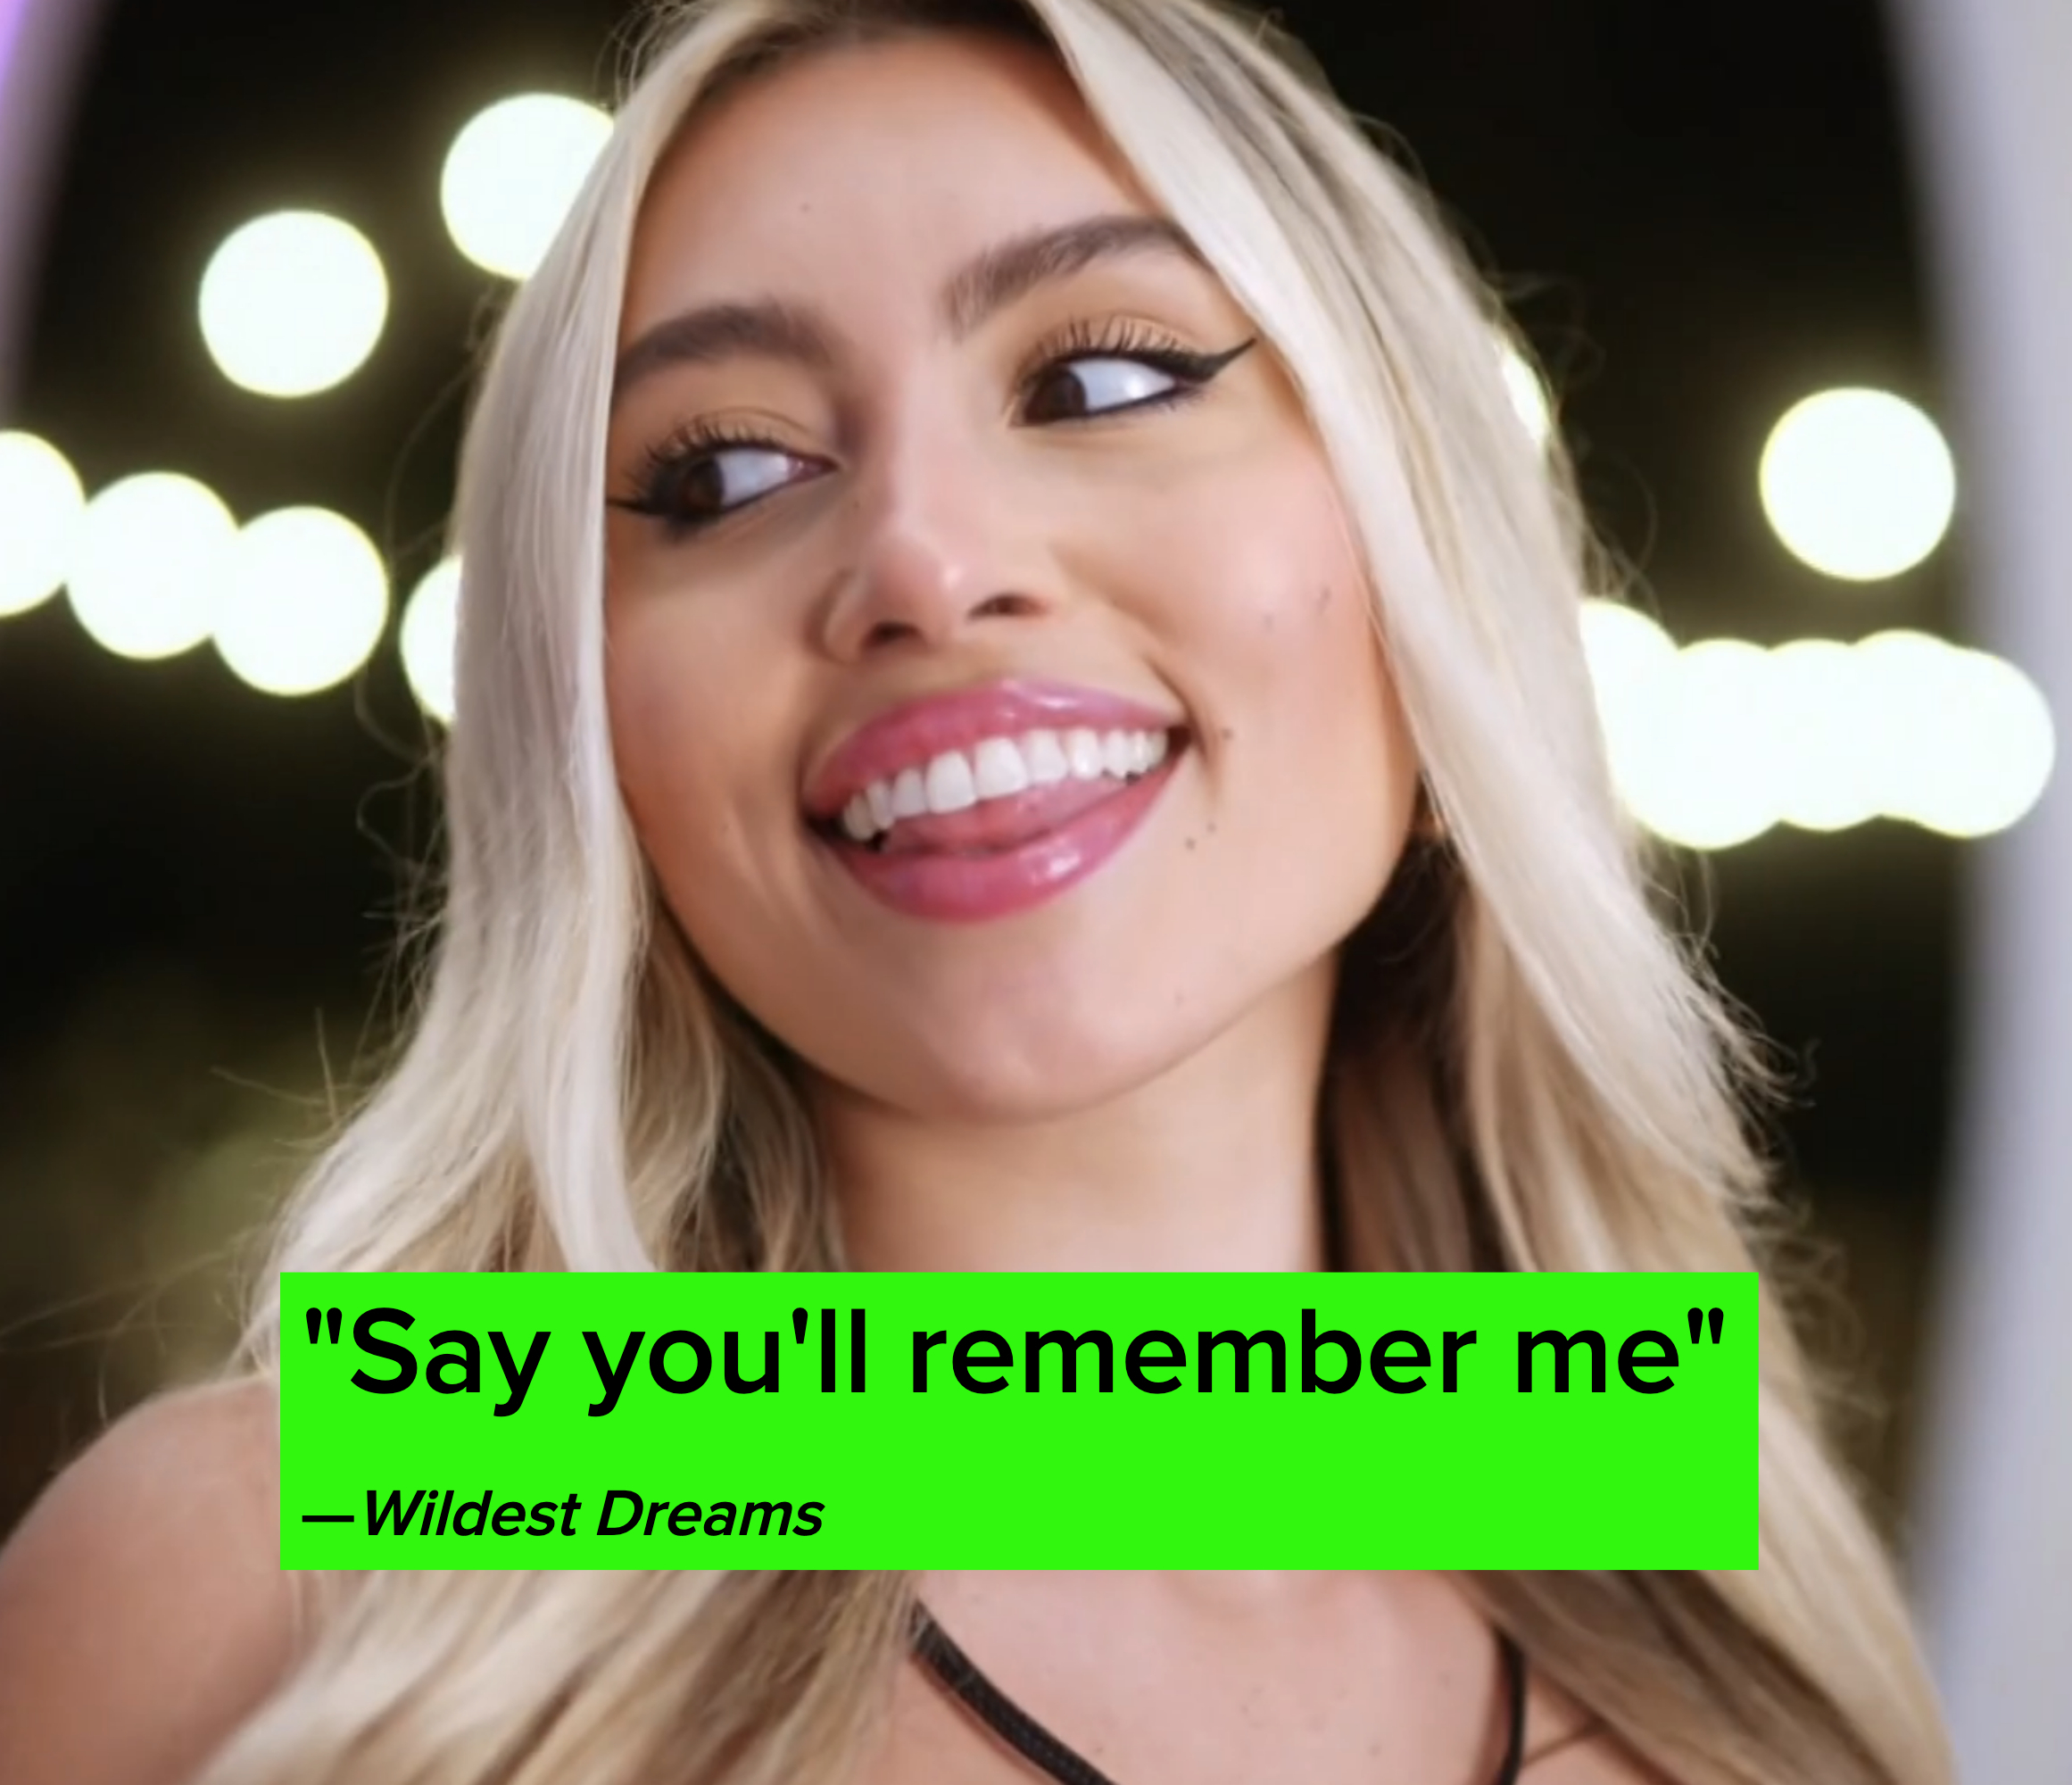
913 733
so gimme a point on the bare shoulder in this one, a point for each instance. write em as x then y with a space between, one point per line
143 1610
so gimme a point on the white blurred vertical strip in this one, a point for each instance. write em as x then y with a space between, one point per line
1990 85
43 48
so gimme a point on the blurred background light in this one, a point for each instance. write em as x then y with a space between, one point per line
149 564
1710 779
428 630
1712 744
1528 394
293 303
1859 484
41 505
306 602
1907 675
1824 719
1967 738
1631 660
511 174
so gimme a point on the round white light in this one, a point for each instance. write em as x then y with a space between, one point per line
1859 484
148 570
307 601
428 630
1632 662
1528 394
293 303
1908 680
2004 747
1710 779
1825 721
41 504
511 175
1968 739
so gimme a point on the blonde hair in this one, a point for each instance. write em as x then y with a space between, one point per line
1555 1088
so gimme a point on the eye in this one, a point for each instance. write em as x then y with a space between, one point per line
704 475
1096 386
714 483
1108 370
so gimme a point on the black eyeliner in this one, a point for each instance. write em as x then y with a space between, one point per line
670 461
1206 366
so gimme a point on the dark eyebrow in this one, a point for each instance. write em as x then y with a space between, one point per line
997 277
718 331
1012 269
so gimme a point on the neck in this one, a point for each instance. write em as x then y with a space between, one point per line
1211 1165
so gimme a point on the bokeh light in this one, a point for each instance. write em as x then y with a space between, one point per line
429 631
307 600
293 303
1967 738
41 507
148 569
511 175
1859 484
1823 713
1709 778
1527 393
1631 661
1713 744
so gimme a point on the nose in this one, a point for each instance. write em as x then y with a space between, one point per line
942 547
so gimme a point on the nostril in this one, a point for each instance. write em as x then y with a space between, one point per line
1005 607
890 632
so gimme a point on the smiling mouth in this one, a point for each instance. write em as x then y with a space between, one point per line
1005 824
999 794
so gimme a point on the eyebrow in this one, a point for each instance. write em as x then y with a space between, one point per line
994 279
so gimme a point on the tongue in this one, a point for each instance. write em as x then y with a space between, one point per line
994 824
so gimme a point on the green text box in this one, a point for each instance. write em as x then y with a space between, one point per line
858 1469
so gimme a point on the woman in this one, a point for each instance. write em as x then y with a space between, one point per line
1020 705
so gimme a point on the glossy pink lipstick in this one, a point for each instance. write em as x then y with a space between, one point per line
1007 794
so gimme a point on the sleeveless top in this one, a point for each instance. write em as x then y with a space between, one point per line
957 1673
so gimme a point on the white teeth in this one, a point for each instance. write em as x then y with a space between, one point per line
998 770
1047 759
950 786
998 767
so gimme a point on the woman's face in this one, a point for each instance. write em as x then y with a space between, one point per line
992 680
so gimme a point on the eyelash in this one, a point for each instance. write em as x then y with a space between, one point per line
665 465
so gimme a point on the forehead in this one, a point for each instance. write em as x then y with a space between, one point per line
877 163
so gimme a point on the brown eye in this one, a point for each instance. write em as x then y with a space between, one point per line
699 480
718 482
1096 386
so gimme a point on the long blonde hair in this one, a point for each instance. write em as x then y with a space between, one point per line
1554 1087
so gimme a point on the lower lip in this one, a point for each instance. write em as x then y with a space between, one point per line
972 888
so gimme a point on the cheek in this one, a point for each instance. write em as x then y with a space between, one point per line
1267 613
693 755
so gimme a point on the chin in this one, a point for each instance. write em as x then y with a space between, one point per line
1010 1063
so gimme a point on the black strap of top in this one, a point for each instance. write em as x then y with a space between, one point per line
960 1674
1013 1725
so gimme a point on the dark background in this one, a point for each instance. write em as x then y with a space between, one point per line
1700 213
